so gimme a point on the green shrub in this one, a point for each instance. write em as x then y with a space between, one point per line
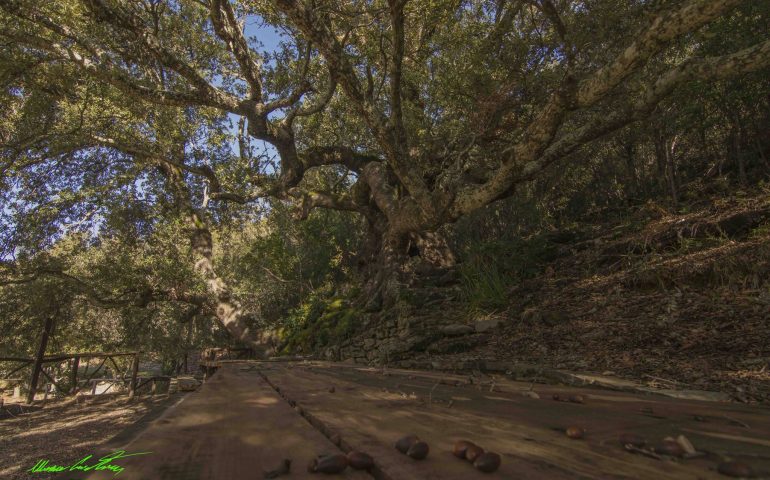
319 322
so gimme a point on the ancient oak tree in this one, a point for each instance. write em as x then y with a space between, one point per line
425 110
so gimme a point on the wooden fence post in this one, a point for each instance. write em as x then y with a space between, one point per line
39 358
74 375
134 372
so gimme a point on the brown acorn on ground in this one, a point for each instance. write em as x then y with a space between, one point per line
403 443
736 469
472 452
360 460
460 447
419 450
328 464
669 447
487 462
575 433
631 439
283 469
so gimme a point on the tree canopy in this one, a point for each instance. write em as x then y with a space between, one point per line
145 120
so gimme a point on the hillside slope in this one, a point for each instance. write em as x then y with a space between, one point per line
678 301
675 301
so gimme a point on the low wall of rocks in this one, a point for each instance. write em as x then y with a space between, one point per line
389 337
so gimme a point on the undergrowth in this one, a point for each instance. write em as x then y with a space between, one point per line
321 320
490 269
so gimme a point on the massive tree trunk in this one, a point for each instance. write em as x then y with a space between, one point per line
392 260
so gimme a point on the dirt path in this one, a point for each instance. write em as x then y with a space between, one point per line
68 431
251 415
234 427
371 408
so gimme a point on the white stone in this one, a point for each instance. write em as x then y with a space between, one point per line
456 329
187 384
487 324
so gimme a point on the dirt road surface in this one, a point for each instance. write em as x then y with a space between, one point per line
249 416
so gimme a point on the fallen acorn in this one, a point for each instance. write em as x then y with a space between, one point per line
360 460
419 450
575 433
631 439
472 452
669 447
404 443
283 469
460 447
736 469
487 462
328 464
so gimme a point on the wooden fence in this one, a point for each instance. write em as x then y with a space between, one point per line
40 363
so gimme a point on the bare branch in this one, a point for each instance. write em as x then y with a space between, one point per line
335 155
315 199
663 29
710 68
315 107
540 133
227 28
320 33
289 100
747 60
131 24
396 111
93 63
134 297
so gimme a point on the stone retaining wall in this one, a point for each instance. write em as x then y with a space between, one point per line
395 335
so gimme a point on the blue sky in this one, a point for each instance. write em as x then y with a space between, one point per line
269 36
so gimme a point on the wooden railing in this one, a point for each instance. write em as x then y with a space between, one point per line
209 360
39 363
